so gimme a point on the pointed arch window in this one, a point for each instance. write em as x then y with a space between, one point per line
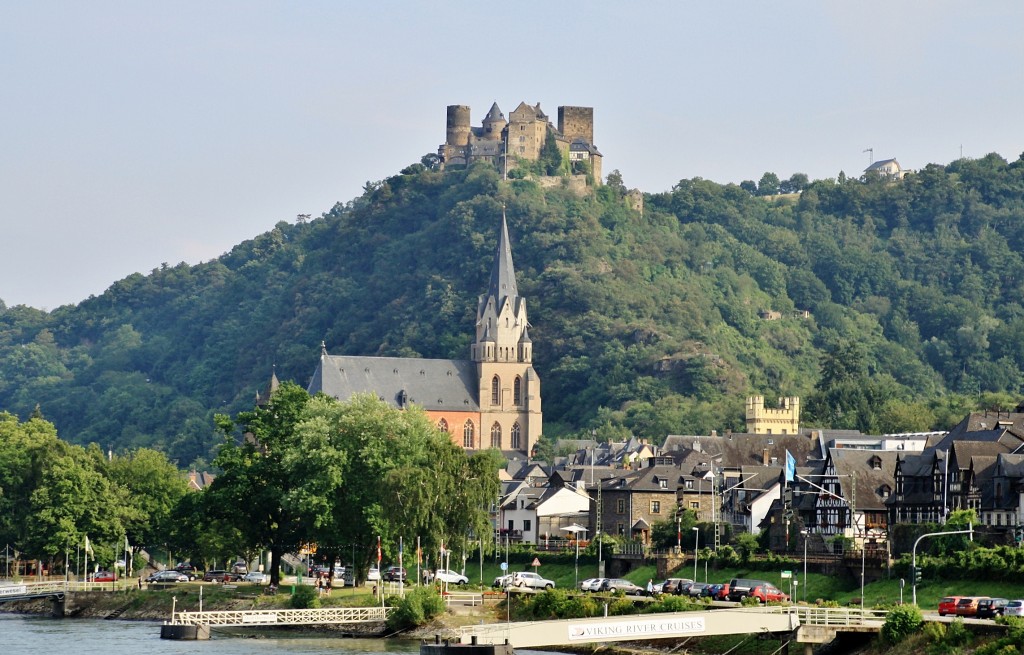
495 390
517 391
516 437
496 435
442 425
468 433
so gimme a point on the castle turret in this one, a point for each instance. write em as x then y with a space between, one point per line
494 123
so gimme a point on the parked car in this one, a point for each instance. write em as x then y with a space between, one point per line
990 608
591 584
102 576
767 593
948 605
395 574
169 575
723 592
711 591
240 568
531 580
1014 608
623 585
696 589
968 605
187 569
220 576
674 585
740 588
451 577
503 581
255 577
373 575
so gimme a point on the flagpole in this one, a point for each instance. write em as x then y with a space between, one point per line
401 570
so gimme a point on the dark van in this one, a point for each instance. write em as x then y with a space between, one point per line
740 588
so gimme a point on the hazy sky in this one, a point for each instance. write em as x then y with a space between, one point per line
138 133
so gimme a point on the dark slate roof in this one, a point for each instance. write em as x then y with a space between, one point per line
646 479
861 483
986 421
880 164
438 384
984 467
494 114
737 450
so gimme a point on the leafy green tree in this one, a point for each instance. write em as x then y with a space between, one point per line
768 185
154 488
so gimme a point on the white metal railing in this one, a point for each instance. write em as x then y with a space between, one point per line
830 616
51 586
283 617
465 598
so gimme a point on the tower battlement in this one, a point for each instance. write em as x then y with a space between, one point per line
784 420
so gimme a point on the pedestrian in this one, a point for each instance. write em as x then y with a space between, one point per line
327 586
319 586
140 582
650 587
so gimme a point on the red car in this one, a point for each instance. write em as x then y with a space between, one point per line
948 605
102 576
768 594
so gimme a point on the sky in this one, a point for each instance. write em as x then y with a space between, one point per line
135 134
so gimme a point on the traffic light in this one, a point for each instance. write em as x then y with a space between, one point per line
916 573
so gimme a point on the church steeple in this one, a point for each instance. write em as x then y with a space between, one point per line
503 275
501 313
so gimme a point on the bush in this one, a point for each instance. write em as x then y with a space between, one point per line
304 598
419 606
901 622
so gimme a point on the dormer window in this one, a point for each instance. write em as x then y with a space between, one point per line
663 484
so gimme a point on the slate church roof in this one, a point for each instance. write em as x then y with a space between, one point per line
433 384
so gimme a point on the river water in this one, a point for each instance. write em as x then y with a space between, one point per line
31 635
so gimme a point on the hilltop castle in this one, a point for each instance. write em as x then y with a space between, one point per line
521 137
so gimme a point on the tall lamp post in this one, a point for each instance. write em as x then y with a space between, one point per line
696 538
805 534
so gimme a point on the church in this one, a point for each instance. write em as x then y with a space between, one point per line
491 400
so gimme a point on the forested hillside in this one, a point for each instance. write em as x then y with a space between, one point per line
645 323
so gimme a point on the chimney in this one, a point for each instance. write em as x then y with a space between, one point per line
764 457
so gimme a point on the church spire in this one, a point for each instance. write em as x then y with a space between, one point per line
503 275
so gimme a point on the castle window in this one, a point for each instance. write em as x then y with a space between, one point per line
495 390
516 433
442 425
517 391
655 507
496 435
620 506
467 434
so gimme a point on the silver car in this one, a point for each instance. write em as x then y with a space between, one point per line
532 580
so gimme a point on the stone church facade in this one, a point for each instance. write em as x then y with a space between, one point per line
491 400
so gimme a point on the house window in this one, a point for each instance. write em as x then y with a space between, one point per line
517 391
511 525
622 529
655 507
495 435
663 484
620 506
526 525
442 425
516 433
689 484
467 434
694 504
495 389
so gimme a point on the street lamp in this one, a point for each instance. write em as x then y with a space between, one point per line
805 534
696 538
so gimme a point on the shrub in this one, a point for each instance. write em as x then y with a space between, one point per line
304 598
901 622
419 606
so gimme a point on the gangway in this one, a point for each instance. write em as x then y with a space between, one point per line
196 625
807 624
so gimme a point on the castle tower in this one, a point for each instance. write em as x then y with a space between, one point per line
785 420
576 123
510 406
458 128
527 131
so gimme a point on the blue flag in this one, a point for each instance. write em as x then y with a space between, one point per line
790 467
